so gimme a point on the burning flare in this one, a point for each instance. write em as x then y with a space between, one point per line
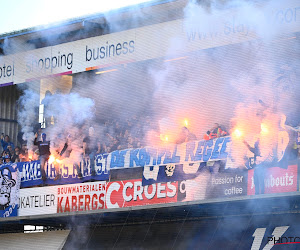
52 159
237 133
264 129
164 138
186 122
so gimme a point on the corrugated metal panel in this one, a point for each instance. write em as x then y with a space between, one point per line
8 112
46 240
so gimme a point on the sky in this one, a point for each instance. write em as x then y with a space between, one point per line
22 14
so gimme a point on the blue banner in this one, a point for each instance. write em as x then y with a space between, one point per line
32 175
9 190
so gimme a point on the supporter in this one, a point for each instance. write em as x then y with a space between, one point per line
185 136
44 150
10 150
114 145
23 148
259 169
217 131
117 128
24 153
20 138
16 154
106 149
5 153
66 152
223 131
5 142
130 142
7 159
138 143
91 147
207 136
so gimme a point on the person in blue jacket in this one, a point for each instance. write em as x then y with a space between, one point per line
5 142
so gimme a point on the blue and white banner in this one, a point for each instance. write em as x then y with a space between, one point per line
216 153
9 190
194 151
31 172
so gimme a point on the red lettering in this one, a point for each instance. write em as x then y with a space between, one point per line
80 203
101 201
88 188
87 201
59 207
74 203
94 202
58 191
67 206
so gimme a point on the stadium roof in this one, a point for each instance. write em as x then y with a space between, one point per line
97 24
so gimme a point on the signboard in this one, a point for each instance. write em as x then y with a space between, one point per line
272 180
207 184
37 201
62 199
229 27
132 193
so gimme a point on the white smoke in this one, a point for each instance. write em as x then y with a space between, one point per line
28 105
217 85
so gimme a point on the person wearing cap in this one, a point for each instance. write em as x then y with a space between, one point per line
7 159
44 150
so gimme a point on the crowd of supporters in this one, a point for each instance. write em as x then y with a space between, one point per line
11 153
118 135
121 135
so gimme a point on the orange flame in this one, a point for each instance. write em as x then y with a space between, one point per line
186 122
51 159
264 129
237 133
164 138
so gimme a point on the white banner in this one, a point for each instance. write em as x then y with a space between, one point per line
37 201
63 198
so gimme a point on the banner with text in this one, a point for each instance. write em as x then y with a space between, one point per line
272 180
62 199
31 172
132 193
10 187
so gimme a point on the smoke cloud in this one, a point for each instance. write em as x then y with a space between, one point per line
240 85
